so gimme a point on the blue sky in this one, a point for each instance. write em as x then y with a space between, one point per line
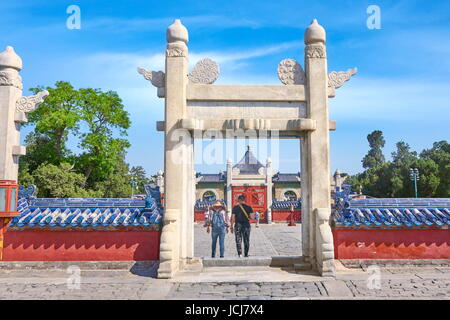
402 86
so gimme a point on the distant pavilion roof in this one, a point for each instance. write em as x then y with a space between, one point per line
248 164
212 177
286 177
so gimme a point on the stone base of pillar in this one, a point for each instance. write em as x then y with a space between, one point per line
269 216
324 243
327 269
165 270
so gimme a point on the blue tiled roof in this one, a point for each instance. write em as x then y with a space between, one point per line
279 204
85 212
395 212
286 177
211 177
201 205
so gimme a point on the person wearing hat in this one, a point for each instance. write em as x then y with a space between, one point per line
217 222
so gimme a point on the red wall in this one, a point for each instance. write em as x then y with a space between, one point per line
199 215
75 245
285 215
391 243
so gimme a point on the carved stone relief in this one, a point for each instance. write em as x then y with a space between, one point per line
205 71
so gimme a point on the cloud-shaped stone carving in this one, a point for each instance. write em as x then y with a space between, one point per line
205 71
29 104
291 72
157 78
337 79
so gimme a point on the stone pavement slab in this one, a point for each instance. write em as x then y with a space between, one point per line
110 287
228 283
246 274
266 240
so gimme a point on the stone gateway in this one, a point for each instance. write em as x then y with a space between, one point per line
295 109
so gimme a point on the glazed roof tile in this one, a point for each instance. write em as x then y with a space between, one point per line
85 212
395 212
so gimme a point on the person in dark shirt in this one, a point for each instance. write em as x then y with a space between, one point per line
240 225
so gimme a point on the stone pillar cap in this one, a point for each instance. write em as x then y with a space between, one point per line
176 32
9 59
315 33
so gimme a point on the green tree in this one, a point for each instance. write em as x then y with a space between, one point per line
25 177
392 179
375 155
104 115
440 154
117 183
403 155
99 122
56 118
429 177
59 182
139 175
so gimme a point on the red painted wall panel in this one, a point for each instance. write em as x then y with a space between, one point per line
391 243
255 198
37 245
199 215
285 215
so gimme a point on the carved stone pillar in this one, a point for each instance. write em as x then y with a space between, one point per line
228 186
178 156
316 144
160 181
13 109
269 186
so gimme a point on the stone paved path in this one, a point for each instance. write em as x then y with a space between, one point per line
101 285
135 281
267 240
252 290
394 283
234 283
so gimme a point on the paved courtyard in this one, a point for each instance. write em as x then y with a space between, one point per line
136 281
266 240
228 283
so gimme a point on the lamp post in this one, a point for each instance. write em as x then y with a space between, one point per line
8 198
133 184
8 206
414 176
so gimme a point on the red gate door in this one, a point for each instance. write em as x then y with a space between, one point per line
255 197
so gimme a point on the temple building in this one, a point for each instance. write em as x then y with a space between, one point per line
264 189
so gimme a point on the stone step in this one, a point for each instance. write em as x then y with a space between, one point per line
302 266
276 261
234 262
194 265
83 265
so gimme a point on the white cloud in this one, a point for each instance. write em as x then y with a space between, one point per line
141 24
412 99
117 71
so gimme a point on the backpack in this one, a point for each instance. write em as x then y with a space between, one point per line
218 224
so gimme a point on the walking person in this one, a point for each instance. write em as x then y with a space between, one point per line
240 225
257 215
217 222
